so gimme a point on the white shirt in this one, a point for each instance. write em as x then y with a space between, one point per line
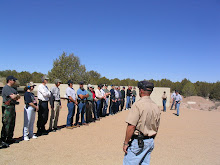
173 95
116 94
102 92
178 97
43 93
71 92
98 94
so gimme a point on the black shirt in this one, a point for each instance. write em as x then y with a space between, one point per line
129 92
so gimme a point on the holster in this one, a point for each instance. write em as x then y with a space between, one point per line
140 139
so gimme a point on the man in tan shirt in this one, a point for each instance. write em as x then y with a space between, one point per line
143 123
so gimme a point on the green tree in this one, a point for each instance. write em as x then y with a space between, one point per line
24 77
93 77
115 81
68 67
215 92
103 80
203 88
36 77
189 89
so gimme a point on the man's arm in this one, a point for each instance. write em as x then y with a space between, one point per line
71 99
129 132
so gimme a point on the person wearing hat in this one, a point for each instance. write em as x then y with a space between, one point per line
129 93
134 94
43 94
122 98
112 100
10 97
143 122
89 104
164 98
99 97
71 103
81 109
55 103
107 93
30 109
173 99
178 99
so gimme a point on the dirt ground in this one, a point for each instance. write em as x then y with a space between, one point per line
190 139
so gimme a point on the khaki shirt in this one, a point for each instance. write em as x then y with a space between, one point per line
164 96
145 115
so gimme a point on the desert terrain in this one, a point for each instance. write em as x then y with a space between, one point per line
190 139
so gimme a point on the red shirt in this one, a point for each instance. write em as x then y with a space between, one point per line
93 93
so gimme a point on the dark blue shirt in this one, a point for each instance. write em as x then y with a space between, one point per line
29 98
112 91
81 92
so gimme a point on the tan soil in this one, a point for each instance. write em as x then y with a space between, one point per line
190 139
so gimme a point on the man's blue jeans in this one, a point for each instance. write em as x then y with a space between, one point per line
128 102
138 155
173 103
133 99
105 107
71 112
99 102
178 109
80 110
164 105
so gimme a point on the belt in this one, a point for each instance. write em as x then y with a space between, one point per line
82 101
57 100
42 100
145 137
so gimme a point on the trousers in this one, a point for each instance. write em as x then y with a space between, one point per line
42 115
89 110
136 155
29 118
164 105
71 112
80 110
8 122
54 115
128 102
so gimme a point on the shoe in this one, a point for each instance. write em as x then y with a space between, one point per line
69 127
4 145
33 137
11 141
26 138
77 125
85 124
74 126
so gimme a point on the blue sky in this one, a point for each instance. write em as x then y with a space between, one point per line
143 39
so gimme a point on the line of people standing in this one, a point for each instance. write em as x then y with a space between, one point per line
91 105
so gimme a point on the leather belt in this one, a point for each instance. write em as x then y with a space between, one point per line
145 137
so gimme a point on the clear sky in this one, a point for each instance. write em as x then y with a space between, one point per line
142 39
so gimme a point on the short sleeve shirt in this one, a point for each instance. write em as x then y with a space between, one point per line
178 97
29 98
71 92
145 115
81 92
6 92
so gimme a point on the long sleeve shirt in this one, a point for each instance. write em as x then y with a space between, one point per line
43 93
98 94
178 97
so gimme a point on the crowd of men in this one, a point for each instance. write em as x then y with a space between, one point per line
91 104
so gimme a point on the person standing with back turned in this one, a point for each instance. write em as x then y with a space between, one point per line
143 123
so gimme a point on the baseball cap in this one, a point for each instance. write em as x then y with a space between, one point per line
81 83
31 84
146 85
89 85
70 82
11 78
44 78
100 85
57 81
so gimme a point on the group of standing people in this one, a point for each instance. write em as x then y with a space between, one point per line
91 104
176 99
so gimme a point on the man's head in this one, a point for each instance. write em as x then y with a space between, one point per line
112 86
177 92
123 88
164 92
70 83
81 83
145 88
134 88
44 79
100 86
57 82
106 86
89 86
30 86
118 87
11 80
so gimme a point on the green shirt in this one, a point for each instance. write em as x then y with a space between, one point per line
90 95
134 93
